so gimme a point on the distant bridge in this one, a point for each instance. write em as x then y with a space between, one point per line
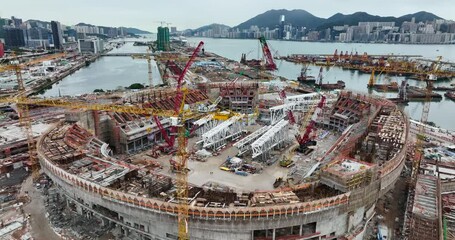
127 54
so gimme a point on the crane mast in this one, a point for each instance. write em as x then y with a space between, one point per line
430 78
23 109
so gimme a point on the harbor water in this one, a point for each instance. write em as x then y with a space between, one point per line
109 73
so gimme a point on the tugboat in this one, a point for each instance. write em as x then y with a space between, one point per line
450 95
305 79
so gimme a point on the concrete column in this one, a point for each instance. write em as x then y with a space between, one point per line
273 236
301 230
79 209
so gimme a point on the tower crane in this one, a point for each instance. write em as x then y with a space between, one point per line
178 117
418 154
23 109
147 57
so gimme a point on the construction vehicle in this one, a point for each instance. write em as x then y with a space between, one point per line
170 140
269 63
287 160
23 109
307 139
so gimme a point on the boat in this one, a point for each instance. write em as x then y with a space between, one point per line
450 95
328 86
305 79
331 86
389 87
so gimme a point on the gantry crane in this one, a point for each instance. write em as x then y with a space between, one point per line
418 154
23 109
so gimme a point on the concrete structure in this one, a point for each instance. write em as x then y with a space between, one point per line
94 46
425 209
239 97
98 185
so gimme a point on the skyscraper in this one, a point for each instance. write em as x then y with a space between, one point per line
57 34
281 33
14 37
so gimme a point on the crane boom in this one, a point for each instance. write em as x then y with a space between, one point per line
23 109
170 140
269 63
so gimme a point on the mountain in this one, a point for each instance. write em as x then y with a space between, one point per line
271 19
211 26
85 24
353 19
419 17
136 31
128 29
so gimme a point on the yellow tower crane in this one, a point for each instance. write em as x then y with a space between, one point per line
148 57
418 154
178 117
23 109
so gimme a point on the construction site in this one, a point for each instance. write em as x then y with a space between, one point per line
217 152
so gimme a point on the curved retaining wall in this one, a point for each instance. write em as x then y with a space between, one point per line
334 214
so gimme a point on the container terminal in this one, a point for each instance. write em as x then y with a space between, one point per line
263 161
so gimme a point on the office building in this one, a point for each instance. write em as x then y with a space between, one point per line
57 34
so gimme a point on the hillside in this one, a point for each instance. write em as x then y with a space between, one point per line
353 19
271 19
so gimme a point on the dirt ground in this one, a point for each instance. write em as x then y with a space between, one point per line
390 209
41 228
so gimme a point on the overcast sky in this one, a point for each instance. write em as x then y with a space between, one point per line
146 14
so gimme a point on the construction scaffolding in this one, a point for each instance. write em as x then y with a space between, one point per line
425 209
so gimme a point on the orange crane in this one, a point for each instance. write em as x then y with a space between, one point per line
23 109
418 154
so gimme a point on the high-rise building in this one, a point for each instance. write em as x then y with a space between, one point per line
57 34
2 50
14 37
163 41
281 32
2 25
173 29
17 22
90 45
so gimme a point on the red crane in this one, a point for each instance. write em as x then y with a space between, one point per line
291 117
306 140
170 140
269 63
